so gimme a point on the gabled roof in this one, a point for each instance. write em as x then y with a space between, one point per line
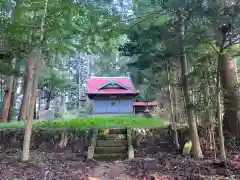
113 84
105 85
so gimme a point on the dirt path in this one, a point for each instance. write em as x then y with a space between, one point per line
111 170
59 166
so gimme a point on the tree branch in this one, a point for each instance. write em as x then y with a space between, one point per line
236 41
159 13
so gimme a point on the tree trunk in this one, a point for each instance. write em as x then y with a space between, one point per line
193 96
35 110
39 103
7 98
32 79
2 79
29 84
13 99
229 81
207 118
48 101
47 104
64 140
62 104
23 90
8 95
219 119
172 103
196 148
28 129
29 91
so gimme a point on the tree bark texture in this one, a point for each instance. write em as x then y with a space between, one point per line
13 99
27 91
219 119
229 82
231 94
23 93
172 103
7 98
8 95
33 80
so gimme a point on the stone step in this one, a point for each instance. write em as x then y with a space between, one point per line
112 137
110 156
114 131
111 143
111 150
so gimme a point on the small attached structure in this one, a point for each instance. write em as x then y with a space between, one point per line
111 95
143 107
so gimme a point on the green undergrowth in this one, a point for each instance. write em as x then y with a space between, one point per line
122 121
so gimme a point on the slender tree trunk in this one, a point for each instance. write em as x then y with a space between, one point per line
193 96
47 104
23 92
62 104
2 88
35 110
48 101
33 79
33 87
39 103
64 140
196 148
219 119
207 118
13 99
28 129
79 84
7 96
172 107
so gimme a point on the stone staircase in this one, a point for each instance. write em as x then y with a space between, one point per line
115 145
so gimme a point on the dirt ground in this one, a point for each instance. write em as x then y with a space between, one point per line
68 166
155 157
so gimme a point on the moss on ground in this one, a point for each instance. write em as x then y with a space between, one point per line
121 121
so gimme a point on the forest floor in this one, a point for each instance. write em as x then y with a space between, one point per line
152 158
69 166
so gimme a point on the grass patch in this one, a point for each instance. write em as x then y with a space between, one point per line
121 121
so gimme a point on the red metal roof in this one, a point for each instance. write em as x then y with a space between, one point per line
94 83
152 103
